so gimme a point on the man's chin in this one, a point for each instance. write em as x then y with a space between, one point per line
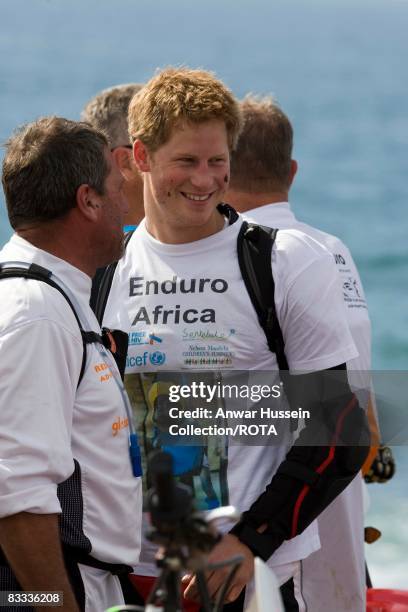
202 214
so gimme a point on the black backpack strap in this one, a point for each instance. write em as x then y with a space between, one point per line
36 272
254 246
101 284
96 282
228 212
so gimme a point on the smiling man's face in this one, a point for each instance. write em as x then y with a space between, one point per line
185 179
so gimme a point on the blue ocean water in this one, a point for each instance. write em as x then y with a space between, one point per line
339 70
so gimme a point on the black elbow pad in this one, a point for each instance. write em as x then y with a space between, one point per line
311 476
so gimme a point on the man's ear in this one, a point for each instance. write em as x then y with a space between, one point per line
88 202
141 156
293 170
124 160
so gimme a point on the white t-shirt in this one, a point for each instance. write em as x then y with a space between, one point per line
47 422
281 216
188 309
334 576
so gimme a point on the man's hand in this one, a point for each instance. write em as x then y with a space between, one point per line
229 547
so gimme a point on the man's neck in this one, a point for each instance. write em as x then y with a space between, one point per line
52 241
165 232
243 201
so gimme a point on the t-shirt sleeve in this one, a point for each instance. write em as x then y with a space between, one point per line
39 373
309 306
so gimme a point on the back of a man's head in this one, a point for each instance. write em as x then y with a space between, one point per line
108 110
177 95
45 163
261 162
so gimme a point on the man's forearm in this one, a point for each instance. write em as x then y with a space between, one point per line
31 543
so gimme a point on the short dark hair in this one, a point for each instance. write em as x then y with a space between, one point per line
45 163
261 161
108 111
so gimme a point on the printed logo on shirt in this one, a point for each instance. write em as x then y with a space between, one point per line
118 425
202 466
173 316
138 286
142 337
209 362
159 315
350 288
206 334
208 355
137 361
103 371
157 358
207 347
339 259
352 293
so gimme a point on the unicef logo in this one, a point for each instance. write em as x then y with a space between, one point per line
157 358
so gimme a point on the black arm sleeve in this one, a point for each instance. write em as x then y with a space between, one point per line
326 456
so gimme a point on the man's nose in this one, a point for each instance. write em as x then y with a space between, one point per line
202 177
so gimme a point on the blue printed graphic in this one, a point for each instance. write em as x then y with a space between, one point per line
157 358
